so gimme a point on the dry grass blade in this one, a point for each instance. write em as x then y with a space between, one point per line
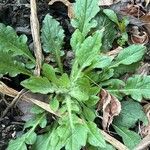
13 93
68 4
36 36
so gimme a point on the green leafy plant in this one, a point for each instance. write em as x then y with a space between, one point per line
73 95
120 24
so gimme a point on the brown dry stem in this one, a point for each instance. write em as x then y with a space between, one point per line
36 36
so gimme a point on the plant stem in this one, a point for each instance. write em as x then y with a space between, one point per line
58 60
69 110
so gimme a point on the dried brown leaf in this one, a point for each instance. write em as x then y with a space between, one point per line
115 52
144 69
107 2
146 20
137 36
68 4
111 107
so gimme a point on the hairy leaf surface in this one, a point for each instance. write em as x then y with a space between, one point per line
131 112
38 85
10 65
129 55
85 11
52 35
9 41
94 136
89 49
130 138
138 87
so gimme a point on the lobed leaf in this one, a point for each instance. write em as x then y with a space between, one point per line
129 55
17 144
110 32
130 138
10 65
85 11
138 87
77 138
111 15
131 112
38 85
89 49
9 41
52 35
94 136
52 38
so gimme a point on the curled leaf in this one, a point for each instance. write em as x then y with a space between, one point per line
111 107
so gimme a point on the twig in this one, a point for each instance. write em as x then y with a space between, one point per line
18 96
13 93
36 36
118 145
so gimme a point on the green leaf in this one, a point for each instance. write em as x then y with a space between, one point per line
85 11
114 86
131 112
106 74
9 41
110 32
101 61
54 104
130 138
89 50
38 85
122 69
36 110
52 35
42 142
111 15
129 55
40 119
50 73
64 81
77 138
76 40
31 138
17 144
43 122
49 141
52 38
95 137
108 147
89 114
138 87
10 65
79 94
